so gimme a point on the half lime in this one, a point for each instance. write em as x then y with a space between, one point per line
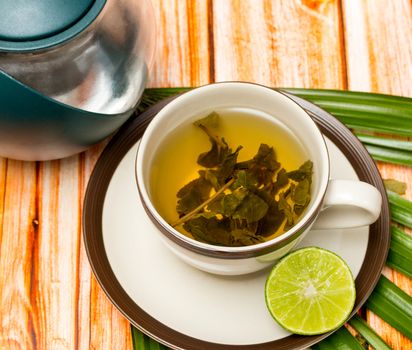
310 291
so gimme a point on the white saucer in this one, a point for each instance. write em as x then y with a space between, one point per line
225 310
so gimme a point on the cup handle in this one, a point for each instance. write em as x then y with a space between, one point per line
348 204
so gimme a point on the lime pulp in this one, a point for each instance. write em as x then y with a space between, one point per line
310 291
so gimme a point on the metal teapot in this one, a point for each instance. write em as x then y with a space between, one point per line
71 72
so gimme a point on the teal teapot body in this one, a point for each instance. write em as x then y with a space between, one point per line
71 72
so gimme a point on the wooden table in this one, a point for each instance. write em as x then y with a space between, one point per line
49 298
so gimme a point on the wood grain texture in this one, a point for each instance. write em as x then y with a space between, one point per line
17 258
279 43
49 298
183 56
57 254
379 59
378 45
3 172
106 328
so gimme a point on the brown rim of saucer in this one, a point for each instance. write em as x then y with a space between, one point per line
128 135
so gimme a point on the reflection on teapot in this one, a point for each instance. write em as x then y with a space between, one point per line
101 69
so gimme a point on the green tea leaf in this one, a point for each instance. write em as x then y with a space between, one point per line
211 158
227 167
301 196
298 209
264 194
252 209
301 193
264 165
247 164
219 150
204 214
304 172
246 179
211 230
243 237
241 180
287 210
226 204
243 209
210 121
395 186
231 201
236 224
218 232
216 205
282 180
211 176
266 158
271 222
216 155
192 195
289 190
263 176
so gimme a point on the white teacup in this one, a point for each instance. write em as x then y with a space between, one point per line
334 203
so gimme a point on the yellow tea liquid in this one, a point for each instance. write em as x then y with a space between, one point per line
175 163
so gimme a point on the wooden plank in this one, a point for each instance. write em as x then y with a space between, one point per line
378 45
108 328
44 268
3 173
89 320
17 326
181 59
182 54
379 59
56 264
281 57
181 45
279 43
85 303
101 324
84 306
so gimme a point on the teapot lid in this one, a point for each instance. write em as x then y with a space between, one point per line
28 25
